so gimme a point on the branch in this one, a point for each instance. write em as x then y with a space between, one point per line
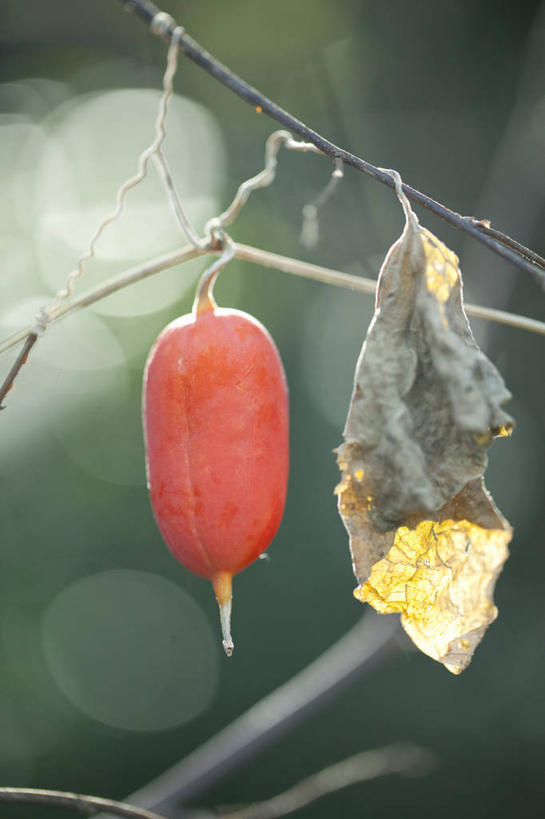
31 339
356 653
364 285
405 759
89 805
61 310
245 253
501 244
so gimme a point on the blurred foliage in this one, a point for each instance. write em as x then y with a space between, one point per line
450 94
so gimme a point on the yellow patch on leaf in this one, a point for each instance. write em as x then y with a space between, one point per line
437 576
441 266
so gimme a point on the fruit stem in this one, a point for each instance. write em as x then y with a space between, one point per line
222 582
204 299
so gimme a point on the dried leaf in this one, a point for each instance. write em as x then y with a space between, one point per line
425 536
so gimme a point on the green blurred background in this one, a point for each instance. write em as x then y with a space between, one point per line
111 664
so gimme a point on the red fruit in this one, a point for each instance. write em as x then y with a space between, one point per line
216 428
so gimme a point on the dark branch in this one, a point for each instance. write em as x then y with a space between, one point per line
501 244
89 805
506 240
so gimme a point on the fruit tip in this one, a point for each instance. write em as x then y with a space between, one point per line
225 619
223 589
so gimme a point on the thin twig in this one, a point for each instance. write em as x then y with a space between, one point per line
364 285
182 218
501 244
404 759
263 258
355 654
134 274
262 179
82 803
133 181
31 339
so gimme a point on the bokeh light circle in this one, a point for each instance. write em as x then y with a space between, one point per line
131 650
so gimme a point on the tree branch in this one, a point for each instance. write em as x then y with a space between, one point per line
364 285
246 253
82 803
356 653
501 244
404 759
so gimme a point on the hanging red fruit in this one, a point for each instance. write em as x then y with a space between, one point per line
217 441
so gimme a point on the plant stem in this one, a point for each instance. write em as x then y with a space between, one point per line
75 801
264 258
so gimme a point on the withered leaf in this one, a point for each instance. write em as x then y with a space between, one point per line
425 536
